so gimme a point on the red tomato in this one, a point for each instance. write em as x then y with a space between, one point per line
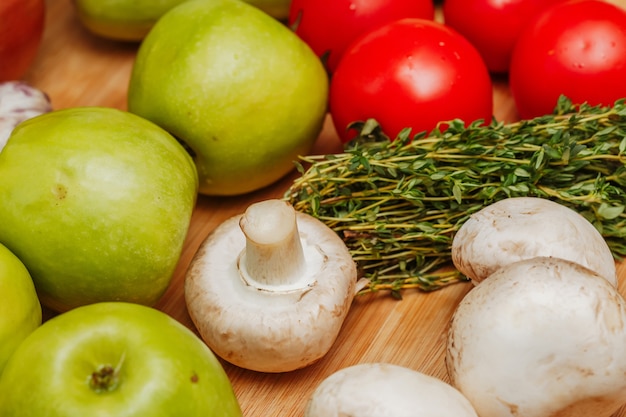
21 29
576 48
492 26
329 26
410 73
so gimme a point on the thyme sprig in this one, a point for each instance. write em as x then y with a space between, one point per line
397 204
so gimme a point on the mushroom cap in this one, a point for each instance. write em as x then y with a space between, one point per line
263 330
540 337
519 228
386 390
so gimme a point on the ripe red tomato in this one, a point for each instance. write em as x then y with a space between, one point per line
575 48
410 73
329 26
21 29
492 26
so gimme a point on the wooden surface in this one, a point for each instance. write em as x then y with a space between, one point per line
77 69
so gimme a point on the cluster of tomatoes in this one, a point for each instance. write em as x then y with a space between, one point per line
406 65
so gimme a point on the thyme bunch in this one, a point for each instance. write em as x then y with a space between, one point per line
397 204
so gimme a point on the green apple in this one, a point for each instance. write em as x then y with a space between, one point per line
115 359
20 310
131 20
96 202
240 89
125 20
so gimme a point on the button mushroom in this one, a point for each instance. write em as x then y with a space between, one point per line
386 390
269 290
520 228
542 337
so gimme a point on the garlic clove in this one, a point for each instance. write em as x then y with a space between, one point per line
19 101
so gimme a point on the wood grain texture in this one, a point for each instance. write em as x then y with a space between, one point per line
77 69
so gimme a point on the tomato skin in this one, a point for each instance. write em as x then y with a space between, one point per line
410 73
329 26
492 26
576 48
21 30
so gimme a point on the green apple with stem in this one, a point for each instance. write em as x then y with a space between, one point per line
131 20
96 202
240 89
115 359
20 310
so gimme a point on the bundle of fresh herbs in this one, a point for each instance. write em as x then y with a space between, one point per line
398 203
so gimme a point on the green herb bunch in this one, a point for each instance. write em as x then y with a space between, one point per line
398 203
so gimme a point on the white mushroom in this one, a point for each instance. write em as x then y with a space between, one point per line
542 337
525 227
18 102
269 290
386 390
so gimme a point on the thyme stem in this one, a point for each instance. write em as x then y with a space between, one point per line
397 204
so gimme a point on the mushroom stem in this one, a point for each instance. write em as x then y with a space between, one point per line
273 256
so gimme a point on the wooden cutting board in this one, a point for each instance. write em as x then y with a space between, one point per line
78 69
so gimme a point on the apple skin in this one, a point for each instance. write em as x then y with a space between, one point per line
21 30
96 202
126 20
20 310
161 368
238 87
131 20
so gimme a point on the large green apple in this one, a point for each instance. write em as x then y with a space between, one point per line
20 311
131 20
125 20
239 88
96 202
115 359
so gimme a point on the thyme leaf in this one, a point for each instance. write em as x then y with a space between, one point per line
398 203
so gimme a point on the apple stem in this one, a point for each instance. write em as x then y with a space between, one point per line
104 379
